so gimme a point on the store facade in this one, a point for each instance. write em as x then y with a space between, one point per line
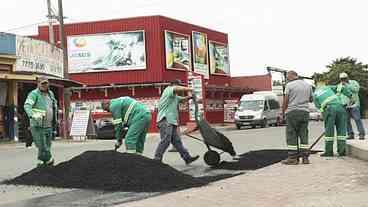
22 60
138 56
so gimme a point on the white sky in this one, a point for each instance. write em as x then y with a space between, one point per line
304 35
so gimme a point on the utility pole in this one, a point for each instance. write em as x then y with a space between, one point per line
65 65
50 16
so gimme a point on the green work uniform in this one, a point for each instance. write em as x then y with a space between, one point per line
334 115
128 112
354 87
41 109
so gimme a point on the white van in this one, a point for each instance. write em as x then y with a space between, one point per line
258 109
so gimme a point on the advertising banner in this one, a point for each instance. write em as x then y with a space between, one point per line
229 110
37 56
200 57
219 58
195 82
107 52
177 51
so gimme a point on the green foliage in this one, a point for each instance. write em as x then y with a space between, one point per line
355 70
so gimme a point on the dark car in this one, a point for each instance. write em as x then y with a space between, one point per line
104 129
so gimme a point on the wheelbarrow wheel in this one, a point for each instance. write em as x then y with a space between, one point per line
212 158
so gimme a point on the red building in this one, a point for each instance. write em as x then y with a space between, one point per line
107 57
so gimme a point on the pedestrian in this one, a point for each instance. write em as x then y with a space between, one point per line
334 115
298 95
41 109
352 105
167 121
133 115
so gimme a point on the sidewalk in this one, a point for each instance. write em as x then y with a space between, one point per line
325 182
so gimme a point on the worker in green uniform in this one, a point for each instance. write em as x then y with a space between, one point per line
41 108
352 104
334 114
133 115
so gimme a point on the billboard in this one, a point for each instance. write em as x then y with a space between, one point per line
219 58
37 56
177 51
107 52
200 57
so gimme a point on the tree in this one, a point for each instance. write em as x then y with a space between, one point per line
355 70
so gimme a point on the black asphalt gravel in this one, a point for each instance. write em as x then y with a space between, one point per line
113 171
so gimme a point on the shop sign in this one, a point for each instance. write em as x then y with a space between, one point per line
177 49
7 42
200 57
229 110
195 82
37 56
106 52
219 59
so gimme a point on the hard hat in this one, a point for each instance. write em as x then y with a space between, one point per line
343 75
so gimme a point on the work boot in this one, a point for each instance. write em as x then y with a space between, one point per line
50 162
40 163
341 147
191 159
326 154
305 160
305 157
291 161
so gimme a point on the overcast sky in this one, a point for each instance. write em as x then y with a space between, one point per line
304 35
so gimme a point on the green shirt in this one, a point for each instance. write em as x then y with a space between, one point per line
354 87
119 108
326 95
168 106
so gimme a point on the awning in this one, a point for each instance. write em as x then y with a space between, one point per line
65 82
25 77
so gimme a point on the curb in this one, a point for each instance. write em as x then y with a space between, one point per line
357 149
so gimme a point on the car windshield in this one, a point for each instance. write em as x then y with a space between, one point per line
254 105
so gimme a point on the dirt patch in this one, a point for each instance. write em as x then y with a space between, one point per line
254 160
113 171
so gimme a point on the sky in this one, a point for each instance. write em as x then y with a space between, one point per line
302 35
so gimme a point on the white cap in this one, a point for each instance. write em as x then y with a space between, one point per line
343 75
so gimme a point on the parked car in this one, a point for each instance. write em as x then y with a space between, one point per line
314 113
257 109
104 128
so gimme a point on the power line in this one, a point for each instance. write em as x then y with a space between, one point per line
24 26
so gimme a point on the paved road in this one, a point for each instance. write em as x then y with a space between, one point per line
15 160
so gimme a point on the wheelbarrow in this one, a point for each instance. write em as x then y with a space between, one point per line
211 138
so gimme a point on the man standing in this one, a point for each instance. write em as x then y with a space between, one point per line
298 94
41 108
352 104
334 114
167 121
127 112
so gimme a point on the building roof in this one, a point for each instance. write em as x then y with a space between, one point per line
257 82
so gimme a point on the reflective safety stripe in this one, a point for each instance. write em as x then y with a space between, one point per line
329 138
117 121
293 147
326 101
343 138
127 113
30 102
304 146
38 113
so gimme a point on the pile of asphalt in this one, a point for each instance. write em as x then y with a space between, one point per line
254 160
112 171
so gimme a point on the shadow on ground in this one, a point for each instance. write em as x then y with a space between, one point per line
254 160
